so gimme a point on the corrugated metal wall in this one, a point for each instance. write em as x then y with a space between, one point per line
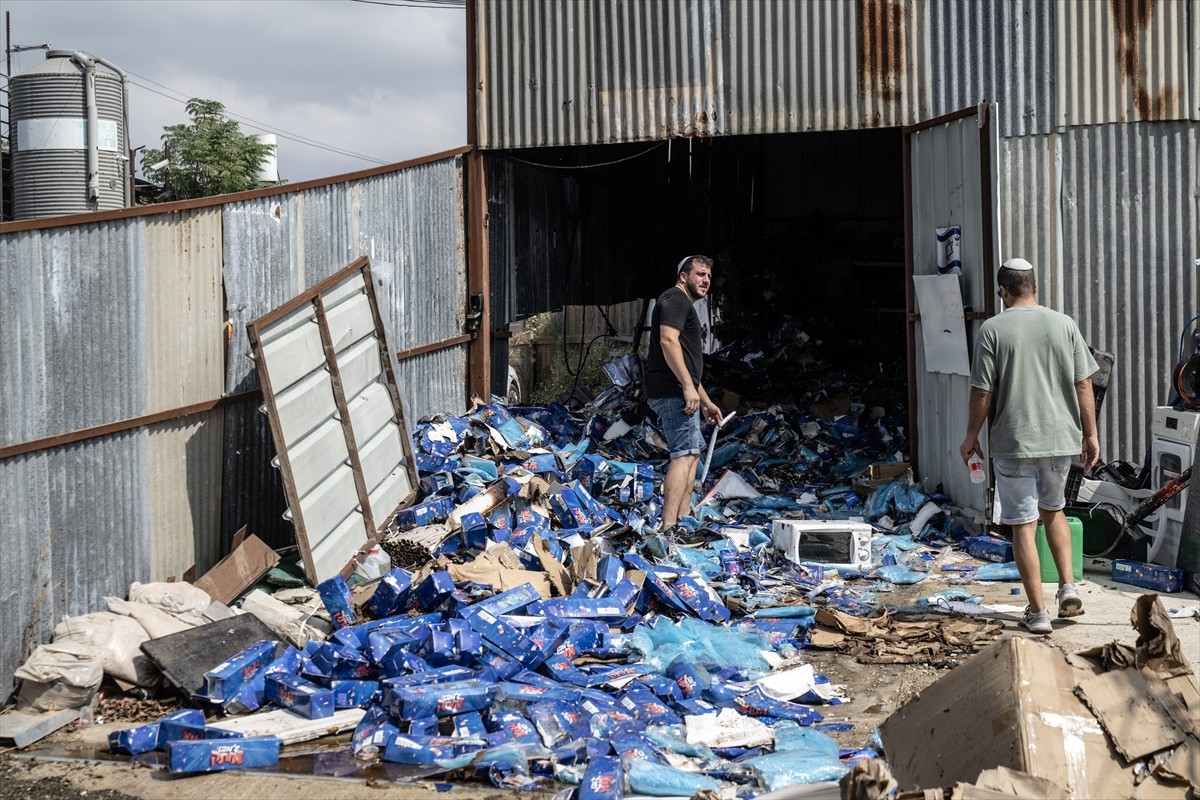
185 342
595 72
108 321
1125 60
1108 212
1131 235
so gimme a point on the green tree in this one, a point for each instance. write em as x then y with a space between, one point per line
209 156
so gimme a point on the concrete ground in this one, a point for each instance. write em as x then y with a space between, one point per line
73 758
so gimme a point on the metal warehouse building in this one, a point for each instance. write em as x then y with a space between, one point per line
819 143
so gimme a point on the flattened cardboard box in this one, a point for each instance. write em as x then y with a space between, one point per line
1012 705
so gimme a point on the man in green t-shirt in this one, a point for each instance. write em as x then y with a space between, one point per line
1032 368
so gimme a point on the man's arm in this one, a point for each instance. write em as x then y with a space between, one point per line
708 408
980 405
1087 418
668 337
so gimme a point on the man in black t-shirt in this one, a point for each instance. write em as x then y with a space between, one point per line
672 381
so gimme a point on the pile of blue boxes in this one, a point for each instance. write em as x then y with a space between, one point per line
601 686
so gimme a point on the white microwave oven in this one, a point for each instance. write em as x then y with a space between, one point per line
836 542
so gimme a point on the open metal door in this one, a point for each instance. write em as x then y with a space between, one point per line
949 183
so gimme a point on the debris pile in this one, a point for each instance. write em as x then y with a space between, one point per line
526 621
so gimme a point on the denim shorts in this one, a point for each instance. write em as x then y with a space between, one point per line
1024 485
682 430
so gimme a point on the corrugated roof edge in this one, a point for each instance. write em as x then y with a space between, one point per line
222 199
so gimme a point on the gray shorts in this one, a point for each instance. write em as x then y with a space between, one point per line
1025 485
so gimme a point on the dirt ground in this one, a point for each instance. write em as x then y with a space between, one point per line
72 763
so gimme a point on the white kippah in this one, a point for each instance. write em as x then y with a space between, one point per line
1019 264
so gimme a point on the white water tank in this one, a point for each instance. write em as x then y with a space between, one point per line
49 123
269 171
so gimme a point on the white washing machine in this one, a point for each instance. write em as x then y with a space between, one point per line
1175 435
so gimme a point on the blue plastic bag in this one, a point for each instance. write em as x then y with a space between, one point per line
659 780
1006 571
900 574
802 755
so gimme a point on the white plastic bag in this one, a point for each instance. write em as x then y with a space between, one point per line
182 600
59 675
117 639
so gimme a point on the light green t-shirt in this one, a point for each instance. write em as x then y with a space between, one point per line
1030 359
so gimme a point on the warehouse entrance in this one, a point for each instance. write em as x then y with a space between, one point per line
807 230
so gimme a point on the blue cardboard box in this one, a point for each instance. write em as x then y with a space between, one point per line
421 750
338 602
441 699
214 755
354 694
296 694
1147 576
390 594
227 678
989 548
145 738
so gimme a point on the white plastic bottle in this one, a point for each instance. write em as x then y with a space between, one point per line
975 468
375 564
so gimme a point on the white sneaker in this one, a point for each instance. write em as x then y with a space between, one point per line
1036 621
1070 604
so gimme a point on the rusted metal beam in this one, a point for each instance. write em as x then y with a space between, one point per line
479 357
432 347
96 431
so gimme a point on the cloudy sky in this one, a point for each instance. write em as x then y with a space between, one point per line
378 81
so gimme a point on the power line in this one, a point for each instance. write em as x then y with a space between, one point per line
295 137
416 3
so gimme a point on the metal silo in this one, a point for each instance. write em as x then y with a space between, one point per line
70 137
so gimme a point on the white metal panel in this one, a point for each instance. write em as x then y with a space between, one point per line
391 492
360 366
329 552
946 190
330 502
315 457
305 405
350 322
340 428
380 455
370 411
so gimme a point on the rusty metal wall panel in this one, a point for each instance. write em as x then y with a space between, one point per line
590 71
1002 51
594 72
890 64
261 270
74 530
185 343
1126 60
1131 217
1193 50
74 519
433 383
411 225
1030 178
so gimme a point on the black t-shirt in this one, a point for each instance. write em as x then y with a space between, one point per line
674 308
